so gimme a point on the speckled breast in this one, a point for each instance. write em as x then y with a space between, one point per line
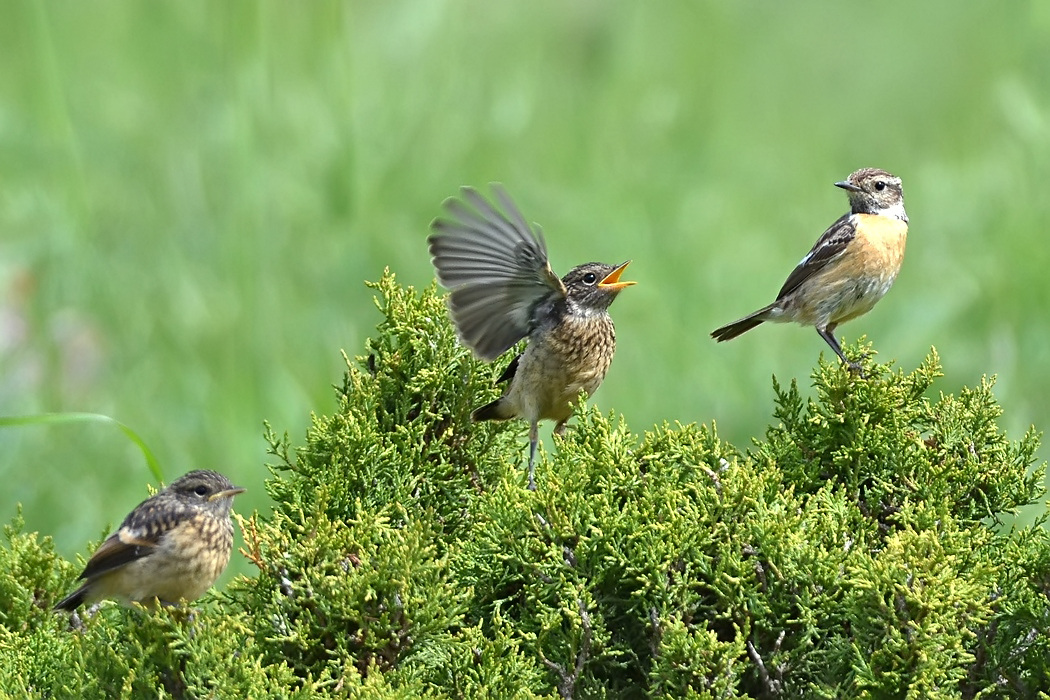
571 357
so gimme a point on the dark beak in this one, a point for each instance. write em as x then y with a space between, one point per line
612 280
847 185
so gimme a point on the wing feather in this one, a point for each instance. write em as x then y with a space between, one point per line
496 267
120 548
828 247
136 538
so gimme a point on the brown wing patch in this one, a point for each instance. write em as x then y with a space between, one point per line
138 535
120 548
827 248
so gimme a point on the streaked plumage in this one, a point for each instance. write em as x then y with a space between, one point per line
503 289
171 547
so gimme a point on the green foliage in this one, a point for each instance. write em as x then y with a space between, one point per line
858 550
192 191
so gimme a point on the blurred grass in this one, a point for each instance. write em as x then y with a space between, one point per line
192 194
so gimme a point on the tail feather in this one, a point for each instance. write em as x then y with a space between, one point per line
732 330
73 600
496 410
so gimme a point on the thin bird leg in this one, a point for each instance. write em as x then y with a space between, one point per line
828 334
534 437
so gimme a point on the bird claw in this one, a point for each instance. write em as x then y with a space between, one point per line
855 368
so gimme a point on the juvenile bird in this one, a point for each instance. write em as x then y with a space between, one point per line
171 547
851 266
503 289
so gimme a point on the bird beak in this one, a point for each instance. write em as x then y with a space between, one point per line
612 280
228 493
847 185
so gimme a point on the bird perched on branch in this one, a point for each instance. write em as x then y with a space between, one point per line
503 289
851 266
170 548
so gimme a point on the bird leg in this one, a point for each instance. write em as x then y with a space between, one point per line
828 334
534 437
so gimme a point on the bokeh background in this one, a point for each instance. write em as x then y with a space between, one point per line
193 193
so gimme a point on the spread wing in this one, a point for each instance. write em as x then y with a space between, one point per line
496 268
827 248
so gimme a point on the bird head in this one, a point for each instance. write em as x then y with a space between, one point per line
874 191
205 489
593 286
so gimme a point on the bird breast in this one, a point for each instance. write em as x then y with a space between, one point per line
563 360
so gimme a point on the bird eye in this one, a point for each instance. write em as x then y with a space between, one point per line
590 278
880 185
201 490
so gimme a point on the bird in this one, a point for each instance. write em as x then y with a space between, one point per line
850 267
502 289
171 547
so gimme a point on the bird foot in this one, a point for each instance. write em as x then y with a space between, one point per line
856 369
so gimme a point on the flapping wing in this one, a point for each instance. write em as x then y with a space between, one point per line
496 267
827 248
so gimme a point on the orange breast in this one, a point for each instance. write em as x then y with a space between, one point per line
880 244
851 285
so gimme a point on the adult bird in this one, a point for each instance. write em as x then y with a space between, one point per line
850 267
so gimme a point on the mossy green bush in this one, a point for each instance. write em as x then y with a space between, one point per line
857 549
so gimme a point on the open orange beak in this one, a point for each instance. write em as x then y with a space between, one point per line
612 280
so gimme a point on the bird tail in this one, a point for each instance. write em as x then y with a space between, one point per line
73 600
732 330
496 410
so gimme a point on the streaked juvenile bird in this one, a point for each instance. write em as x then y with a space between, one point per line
851 266
503 289
170 548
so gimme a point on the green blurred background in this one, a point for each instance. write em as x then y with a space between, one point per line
193 193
